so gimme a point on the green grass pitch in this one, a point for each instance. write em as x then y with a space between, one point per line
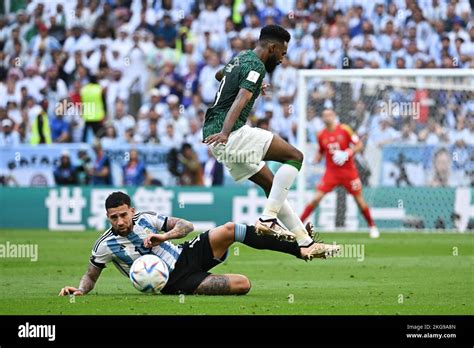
402 273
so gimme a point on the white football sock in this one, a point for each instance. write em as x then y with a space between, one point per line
293 223
284 178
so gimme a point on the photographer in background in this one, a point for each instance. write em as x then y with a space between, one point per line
65 172
82 169
191 174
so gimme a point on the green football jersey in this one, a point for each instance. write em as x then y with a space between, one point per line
245 70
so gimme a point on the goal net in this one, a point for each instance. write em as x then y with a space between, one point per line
417 127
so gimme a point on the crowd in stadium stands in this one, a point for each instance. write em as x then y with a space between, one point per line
142 72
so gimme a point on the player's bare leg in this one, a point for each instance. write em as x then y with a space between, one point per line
364 208
224 284
312 205
264 179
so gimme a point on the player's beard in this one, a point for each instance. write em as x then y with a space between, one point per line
271 63
124 230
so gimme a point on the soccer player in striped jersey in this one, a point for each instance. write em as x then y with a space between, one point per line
244 149
335 142
133 235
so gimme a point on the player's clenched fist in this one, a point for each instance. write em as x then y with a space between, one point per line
70 290
154 240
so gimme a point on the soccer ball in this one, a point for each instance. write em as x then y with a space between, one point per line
149 274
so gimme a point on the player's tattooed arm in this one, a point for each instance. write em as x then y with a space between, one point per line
89 279
214 285
86 284
178 228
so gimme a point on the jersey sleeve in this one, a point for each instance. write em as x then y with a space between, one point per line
159 222
101 255
353 137
251 77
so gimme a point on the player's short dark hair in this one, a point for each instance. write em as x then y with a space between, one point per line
116 199
274 33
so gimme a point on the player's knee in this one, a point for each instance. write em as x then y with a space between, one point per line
241 285
297 155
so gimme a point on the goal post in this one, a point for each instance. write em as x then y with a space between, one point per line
373 87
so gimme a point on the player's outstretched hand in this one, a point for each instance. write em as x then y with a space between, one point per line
70 290
154 240
340 157
218 138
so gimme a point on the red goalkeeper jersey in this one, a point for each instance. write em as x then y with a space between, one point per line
339 139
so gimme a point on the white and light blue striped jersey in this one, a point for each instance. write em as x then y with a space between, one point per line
123 250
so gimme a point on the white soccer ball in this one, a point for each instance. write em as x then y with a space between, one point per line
149 274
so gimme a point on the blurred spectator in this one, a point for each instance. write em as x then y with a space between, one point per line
171 138
60 129
134 172
208 20
286 124
40 128
167 30
8 136
359 119
43 41
190 83
385 134
56 89
79 40
110 139
33 81
131 136
161 54
65 173
213 172
197 104
461 133
15 38
285 78
121 120
179 122
208 84
153 137
192 171
99 171
93 107
407 136
194 135
433 134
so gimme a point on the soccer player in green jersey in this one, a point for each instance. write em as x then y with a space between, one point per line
244 149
